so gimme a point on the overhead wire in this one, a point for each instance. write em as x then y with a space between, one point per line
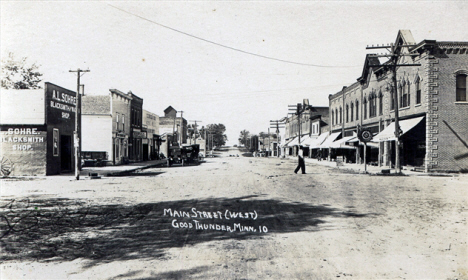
226 46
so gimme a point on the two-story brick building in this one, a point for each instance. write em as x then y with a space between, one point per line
431 101
305 129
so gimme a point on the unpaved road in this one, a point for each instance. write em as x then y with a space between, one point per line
326 224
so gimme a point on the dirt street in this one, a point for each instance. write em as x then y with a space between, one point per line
235 218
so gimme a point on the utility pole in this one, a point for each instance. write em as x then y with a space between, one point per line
394 56
181 127
77 132
195 131
277 124
300 108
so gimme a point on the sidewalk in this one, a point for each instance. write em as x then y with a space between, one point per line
371 169
121 169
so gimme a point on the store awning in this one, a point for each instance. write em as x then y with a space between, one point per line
332 137
341 143
287 143
294 142
314 142
388 134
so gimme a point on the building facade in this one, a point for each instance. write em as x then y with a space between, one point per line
106 126
37 130
431 101
303 129
136 128
173 130
151 145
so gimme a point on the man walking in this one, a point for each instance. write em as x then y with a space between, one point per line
300 157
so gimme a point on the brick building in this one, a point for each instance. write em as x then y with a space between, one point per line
432 107
305 130
136 128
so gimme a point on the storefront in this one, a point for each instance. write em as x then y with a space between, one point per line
36 130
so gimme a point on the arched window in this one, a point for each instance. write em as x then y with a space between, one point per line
341 115
333 117
400 94
357 110
380 103
418 91
336 117
365 107
461 87
352 111
347 113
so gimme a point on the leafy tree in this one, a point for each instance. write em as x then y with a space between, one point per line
217 132
17 74
243 137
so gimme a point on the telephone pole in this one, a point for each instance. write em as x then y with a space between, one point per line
195 131
394 56
277 124
77 133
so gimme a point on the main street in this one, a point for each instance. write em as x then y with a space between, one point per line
235 218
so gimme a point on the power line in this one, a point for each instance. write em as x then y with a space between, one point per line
225 46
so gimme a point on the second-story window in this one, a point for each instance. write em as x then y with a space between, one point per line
341 115
357 110
365 108
352 111
333 117
418 91
461 87
347 113
380 104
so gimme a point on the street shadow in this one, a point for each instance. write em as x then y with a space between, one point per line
64 229
136 174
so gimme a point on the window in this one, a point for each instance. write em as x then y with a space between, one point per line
405 95
380 104
347 113
336 116
341 115
365 108
333 117
418 91
352 111
357 110
372 105
400 94
461 87
392 99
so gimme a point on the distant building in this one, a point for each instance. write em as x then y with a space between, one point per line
173 130
305 131
150 143
36 130
106 126
136 124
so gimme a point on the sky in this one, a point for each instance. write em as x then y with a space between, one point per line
239 63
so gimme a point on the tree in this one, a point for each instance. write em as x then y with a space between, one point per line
17 74
243 137
217 138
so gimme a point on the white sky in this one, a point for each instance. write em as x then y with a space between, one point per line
208 82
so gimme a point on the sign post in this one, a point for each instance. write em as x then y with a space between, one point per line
365 135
